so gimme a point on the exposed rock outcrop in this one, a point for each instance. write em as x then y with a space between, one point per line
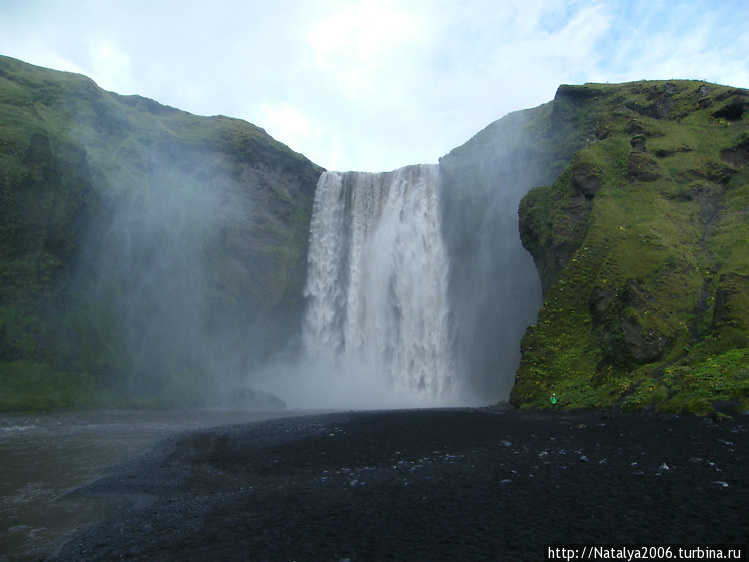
731 302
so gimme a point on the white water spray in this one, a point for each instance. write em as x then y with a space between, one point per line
377 284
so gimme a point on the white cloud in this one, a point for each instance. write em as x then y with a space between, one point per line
373 85
291 124
363 31
363 49
110 66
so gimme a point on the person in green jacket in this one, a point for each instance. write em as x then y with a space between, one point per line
553 400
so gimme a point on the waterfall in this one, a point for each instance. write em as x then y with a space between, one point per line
377 281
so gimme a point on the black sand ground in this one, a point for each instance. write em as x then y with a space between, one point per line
427 485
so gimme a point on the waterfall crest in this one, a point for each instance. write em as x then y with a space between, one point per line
377 281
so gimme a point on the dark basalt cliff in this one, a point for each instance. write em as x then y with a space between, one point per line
121 221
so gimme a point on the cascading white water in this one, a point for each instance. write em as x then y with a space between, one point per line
377 281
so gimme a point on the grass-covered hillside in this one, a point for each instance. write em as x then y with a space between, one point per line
150 256
642 244
146 254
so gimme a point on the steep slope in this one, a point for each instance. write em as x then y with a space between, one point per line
642 244
144 251
494 287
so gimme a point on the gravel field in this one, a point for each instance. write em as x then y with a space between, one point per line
443 484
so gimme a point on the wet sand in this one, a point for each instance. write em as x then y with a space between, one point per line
455 484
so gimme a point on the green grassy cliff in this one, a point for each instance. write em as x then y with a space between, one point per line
122 220
642 244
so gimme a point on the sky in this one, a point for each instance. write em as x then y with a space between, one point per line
373 85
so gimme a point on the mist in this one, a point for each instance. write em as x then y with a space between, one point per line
495 291
417 290
414 305
168 282
376 325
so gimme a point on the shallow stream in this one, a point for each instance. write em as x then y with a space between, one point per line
44 457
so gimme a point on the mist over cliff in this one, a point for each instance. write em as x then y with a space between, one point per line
149 255
399 314
495 291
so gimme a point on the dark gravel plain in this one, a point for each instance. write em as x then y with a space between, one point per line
443 484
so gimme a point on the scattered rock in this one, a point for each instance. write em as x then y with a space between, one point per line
638 143
586 179
643 167
734 110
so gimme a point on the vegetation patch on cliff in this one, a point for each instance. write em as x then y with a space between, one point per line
642 247
147 255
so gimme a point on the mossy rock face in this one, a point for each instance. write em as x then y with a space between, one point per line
641 244
149 249
731 303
